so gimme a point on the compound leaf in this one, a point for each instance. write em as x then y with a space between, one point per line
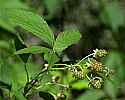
66 39
30 22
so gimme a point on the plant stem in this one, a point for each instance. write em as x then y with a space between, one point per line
56 84
61 65
26 72
88 77
56 69
84 58
44 70
29 85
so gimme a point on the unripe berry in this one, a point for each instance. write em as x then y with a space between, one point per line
96 82
100 53
95 65
78 73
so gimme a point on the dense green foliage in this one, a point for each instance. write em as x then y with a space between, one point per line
43 48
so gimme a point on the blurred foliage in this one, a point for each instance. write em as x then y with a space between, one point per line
101 23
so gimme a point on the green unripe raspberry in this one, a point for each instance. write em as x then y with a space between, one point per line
100 53
78 73
96 82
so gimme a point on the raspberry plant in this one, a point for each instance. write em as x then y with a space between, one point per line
89 68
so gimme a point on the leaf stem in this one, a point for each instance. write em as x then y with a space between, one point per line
26 72
56 84
56 69
85 58
61 65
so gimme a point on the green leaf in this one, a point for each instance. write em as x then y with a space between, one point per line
14 4
51 58
33 50
4 85
30 22
5 24
66 39
110 16
5 71
9 4
4 44
18 71
18 76
19 96
81 84
91 95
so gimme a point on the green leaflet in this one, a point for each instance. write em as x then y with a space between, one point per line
9 4
33 50
66 39
19 95
14 4
81 84
4 44
91 95
51 58
30 22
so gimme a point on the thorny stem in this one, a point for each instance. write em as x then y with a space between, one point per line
85 58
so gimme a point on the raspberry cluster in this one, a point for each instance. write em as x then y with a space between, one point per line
92 69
